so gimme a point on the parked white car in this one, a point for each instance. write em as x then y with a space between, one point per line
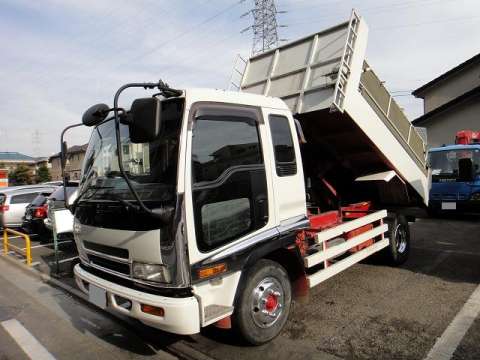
56 207
15 199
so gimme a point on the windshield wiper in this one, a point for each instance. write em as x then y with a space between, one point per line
165 213
82 194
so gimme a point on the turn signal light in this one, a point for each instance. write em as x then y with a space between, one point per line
210 271
153 310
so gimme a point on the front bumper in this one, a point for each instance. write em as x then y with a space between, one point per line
461 206
182 315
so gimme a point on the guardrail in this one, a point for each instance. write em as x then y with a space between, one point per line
27 252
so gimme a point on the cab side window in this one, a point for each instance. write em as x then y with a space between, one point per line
228 175
284 151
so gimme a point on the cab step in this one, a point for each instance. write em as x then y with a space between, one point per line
213 313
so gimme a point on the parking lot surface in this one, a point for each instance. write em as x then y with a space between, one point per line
370 311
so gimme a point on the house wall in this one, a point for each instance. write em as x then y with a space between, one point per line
55 170
73 167
451 87
441 129
12 165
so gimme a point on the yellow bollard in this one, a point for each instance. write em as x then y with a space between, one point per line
5 241
29 250
28 245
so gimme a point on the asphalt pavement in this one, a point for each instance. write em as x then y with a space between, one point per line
370 311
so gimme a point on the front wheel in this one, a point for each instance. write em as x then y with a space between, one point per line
263 305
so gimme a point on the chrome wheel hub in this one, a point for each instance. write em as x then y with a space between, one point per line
400 238
268 301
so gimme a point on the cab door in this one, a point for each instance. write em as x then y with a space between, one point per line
227 178
287 169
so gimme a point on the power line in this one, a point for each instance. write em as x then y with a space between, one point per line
373 9
182 34
427 23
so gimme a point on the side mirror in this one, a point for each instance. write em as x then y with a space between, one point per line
465 170
144 120
95 114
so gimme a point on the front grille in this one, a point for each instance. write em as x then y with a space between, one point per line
449 197
107 250
110 265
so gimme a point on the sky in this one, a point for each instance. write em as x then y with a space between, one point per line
59 57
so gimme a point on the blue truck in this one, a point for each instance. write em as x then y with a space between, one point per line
455 175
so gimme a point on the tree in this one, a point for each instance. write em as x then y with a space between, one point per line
20 176
43 174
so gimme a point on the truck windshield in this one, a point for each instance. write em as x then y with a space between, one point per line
151 167
446 162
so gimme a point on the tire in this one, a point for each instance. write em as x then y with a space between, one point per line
263 304
398 250
432 212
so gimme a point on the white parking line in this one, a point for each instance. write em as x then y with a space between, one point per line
26 340
49 244
17 236
64 260
446 345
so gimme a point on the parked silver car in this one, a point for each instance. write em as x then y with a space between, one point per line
14 200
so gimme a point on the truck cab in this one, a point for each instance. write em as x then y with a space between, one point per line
227 169
456 175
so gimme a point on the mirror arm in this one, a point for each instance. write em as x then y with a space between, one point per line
161 86
63 161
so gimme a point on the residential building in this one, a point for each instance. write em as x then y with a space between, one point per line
73 166
10 160
451 103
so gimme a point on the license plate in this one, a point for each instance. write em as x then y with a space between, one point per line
97 296
449 206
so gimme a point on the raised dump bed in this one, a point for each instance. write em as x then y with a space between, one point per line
345 111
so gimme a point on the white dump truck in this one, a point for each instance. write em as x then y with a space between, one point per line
200 207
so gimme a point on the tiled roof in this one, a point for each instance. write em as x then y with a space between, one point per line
472 60
14 156
72 150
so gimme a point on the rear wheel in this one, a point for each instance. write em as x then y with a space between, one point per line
263 304
399 247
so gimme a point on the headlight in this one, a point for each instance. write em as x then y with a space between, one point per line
475 196
151 272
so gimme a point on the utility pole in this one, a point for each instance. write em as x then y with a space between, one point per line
265 26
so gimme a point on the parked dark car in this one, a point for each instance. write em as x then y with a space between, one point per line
35 214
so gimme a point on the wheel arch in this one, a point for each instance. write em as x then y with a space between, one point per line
286 254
